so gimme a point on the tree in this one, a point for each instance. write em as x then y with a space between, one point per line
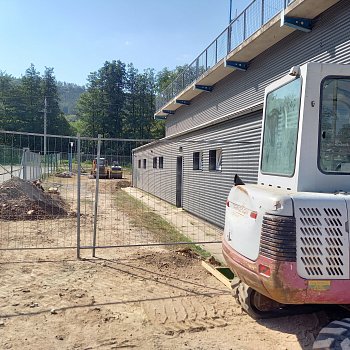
32 102
9 100
22 103
101 106
56 123
69 94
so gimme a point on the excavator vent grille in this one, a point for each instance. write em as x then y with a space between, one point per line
322 242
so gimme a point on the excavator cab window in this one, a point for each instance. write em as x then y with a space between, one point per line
334 138
281 129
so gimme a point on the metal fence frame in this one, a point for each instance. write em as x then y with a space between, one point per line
83 239
252 18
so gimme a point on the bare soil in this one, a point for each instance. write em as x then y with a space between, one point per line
24 200
136 297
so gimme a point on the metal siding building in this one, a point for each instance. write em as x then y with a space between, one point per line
229 119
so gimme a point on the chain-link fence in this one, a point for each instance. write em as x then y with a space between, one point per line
90 193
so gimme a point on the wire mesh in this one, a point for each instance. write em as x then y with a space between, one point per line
272 8
126 196
221 43
253 18
201 64
37 208
237 35
211 55
140 208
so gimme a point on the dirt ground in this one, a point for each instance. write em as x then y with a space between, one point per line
142 298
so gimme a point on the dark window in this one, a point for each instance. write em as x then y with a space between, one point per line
215 159
334 147
154 162
212 159
139 163
197 160
160 162
144 163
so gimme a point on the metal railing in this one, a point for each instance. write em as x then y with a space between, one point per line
258 13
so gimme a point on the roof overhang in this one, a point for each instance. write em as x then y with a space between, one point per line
268 35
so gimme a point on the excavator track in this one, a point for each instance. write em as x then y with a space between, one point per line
335 336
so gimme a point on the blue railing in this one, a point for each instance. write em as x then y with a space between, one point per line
241 28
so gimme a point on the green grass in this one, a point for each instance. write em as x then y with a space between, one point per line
141 216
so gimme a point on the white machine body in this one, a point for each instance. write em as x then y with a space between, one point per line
304 172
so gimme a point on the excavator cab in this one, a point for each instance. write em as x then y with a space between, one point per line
287 237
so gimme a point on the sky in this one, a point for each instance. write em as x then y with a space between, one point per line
76 37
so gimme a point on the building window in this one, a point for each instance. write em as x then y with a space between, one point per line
161 162
144 163
197 160
154 162
215 159
139 163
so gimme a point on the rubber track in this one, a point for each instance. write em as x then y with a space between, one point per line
335 336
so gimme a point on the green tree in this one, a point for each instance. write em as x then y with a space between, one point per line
101 107
69 94
29 110
56 123
10 98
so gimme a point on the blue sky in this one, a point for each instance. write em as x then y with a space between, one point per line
76 37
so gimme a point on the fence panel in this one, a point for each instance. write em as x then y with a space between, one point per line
37 192
91 193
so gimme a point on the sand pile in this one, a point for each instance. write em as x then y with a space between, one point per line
23 200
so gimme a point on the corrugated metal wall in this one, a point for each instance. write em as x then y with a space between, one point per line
159 182
205 192
329 42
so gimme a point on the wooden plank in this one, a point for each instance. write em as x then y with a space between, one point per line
216 273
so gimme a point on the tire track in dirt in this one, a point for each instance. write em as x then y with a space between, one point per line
188 314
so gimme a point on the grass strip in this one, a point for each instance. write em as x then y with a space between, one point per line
142 216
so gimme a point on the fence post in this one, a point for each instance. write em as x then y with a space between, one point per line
78 195
229 37
24 162
244 24
206 59
96 195
11 160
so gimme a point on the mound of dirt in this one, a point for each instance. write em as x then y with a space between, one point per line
23 200
122 184
169 260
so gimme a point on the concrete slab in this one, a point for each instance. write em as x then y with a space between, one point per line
196 229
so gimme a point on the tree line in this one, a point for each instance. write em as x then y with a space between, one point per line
22 103
117 102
